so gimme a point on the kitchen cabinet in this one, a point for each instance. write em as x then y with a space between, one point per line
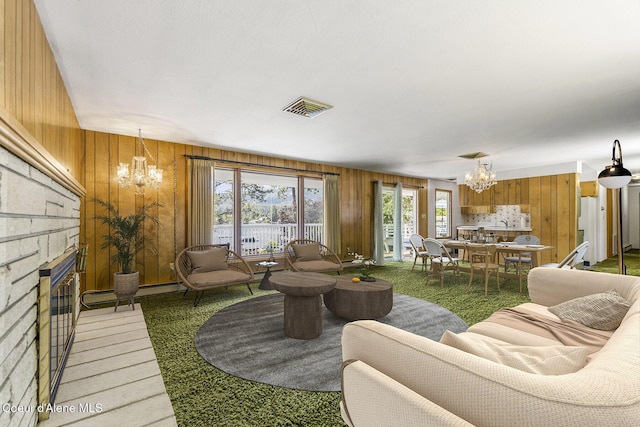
477 209
589 188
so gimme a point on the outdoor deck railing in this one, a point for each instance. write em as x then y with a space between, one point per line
257 239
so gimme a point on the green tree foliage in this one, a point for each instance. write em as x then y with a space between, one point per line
313 211
263 203
387 209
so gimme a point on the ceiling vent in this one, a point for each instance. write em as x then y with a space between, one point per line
473 156
306 107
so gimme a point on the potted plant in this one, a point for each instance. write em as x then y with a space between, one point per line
125 235
365 267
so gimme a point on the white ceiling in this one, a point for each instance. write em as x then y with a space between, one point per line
414 83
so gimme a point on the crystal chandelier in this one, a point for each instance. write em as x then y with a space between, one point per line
481 178
141 175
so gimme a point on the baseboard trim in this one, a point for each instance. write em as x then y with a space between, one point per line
89 298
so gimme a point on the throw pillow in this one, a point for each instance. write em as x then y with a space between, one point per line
307 251
210 260
543 360
603 311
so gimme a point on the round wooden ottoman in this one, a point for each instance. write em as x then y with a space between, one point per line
361 300
302 302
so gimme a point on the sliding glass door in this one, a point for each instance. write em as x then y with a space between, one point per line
408 218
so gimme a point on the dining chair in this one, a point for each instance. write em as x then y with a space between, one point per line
440 260
520 259
571 261
418 249
483 258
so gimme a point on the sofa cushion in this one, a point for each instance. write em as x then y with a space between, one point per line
307 251
210 260
320 265
544 360
510 335
603 311
218 278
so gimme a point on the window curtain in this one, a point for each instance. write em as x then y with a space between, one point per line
201 192
378 230
332 214
397 222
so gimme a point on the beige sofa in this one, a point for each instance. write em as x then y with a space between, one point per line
393 377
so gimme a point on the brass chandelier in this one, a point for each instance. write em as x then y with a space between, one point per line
141 175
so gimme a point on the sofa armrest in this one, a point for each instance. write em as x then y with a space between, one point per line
551 286
483 392
372 399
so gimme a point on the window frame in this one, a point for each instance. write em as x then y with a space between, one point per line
413 226
449 216
237 204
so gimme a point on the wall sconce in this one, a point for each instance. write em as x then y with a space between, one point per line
615 177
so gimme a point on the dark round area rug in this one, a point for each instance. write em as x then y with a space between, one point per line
247 340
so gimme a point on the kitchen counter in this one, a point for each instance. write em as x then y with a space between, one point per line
494 228
500 233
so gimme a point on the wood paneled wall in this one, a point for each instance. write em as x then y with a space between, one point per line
31 87
552 201
104 151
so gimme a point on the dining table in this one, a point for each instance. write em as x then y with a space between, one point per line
532 251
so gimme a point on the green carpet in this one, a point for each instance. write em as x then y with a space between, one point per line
202 395
255 327
610 265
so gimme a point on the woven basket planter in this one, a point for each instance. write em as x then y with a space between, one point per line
125 286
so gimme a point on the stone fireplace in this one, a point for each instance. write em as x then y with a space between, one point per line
39 222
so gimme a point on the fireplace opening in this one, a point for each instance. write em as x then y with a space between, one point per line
58 309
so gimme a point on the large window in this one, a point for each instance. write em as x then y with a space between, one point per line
269 212
223 218
313 209
443 213
258 212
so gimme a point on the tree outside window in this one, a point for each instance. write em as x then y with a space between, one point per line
270 209
409 209
443 213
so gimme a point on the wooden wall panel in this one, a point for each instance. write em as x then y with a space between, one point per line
562 210
535 216
498 193
546 231
105 151
101 145
33 93
524 191
149 261
165 242
611 197
32 90
88 211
